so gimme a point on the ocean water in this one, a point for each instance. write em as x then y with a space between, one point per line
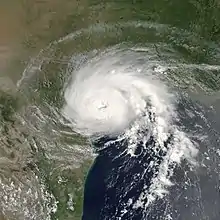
48 154
116 179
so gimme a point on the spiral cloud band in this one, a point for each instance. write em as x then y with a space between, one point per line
109 93
116 94
115 87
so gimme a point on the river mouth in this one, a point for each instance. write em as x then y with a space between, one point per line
44 159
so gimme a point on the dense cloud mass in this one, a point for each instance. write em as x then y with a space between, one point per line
108 93
114 94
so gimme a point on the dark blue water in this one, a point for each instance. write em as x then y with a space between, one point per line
116 177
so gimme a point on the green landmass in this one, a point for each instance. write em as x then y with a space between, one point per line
44 22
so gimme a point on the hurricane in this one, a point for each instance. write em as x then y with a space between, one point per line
106 95
119 95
